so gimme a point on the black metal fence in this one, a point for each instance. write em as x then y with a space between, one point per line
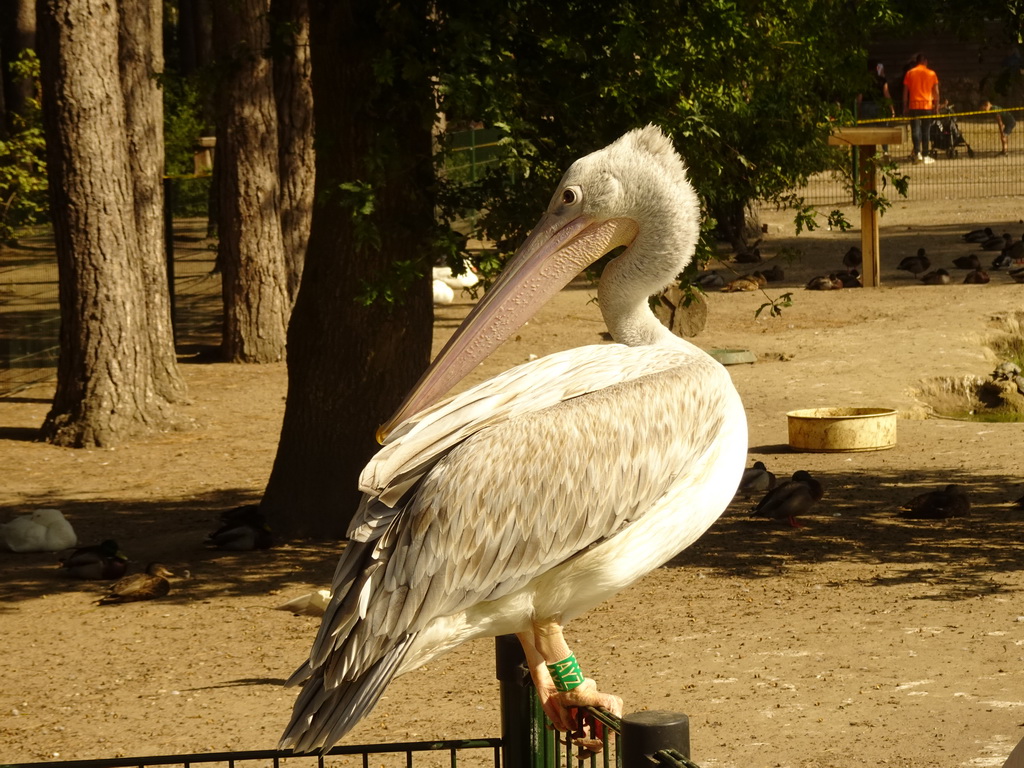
645 739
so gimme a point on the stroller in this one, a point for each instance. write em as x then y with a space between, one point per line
945 134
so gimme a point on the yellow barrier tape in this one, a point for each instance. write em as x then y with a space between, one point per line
939 115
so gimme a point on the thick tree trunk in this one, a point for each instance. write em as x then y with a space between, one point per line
293 92
251 248
141 60
105 386
349 362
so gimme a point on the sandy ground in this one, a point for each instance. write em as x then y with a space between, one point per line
860 639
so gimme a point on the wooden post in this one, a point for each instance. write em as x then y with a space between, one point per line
866 138
871 267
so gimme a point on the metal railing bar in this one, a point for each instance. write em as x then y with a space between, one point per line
187 761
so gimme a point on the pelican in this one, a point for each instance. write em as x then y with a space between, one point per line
527 500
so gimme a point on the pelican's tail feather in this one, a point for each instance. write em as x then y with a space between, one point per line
323 714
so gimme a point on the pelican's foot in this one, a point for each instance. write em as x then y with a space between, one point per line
589 735
562 707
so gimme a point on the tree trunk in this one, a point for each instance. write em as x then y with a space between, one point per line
141 60
294 95
350 362
251 249
106 390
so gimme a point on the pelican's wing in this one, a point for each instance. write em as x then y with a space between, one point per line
504 483
503 504
416 445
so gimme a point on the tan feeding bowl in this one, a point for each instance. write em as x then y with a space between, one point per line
838 430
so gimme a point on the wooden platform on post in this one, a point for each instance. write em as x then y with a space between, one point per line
867 138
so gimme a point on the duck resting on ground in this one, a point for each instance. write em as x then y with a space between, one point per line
102 561
139 586
967 262
916 264
978 235
937 277
791 498
997 242
756 479
635 449
850 278
829 282
977 277
951 501
244 528
744 283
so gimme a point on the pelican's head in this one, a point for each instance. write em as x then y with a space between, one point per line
632 192
639 177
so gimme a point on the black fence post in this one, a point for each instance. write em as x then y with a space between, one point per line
645 733
525 738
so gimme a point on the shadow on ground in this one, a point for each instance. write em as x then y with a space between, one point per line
173 532
856 521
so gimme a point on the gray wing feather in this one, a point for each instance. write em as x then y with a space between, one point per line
324 714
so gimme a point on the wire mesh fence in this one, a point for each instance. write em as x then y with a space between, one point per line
29 312
970 165
30 307
970 162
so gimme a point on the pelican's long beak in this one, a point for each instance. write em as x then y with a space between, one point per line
559 248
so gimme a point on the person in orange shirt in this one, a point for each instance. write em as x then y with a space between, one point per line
920 101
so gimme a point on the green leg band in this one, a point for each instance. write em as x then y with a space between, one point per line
566 673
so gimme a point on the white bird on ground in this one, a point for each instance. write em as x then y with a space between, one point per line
312 604
443 294
531 498
467 279
446 283
45 530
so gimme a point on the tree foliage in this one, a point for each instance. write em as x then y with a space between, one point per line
748 91
23 185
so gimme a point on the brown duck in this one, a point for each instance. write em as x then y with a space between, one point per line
915 265
937 277
747 283
951 501
827 282
977 277
967 262
139 586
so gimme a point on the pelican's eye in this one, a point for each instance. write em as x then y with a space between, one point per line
571 195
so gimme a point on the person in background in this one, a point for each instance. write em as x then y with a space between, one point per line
876 99
920 102
1005 120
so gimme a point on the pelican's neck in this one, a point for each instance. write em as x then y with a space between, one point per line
641 271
